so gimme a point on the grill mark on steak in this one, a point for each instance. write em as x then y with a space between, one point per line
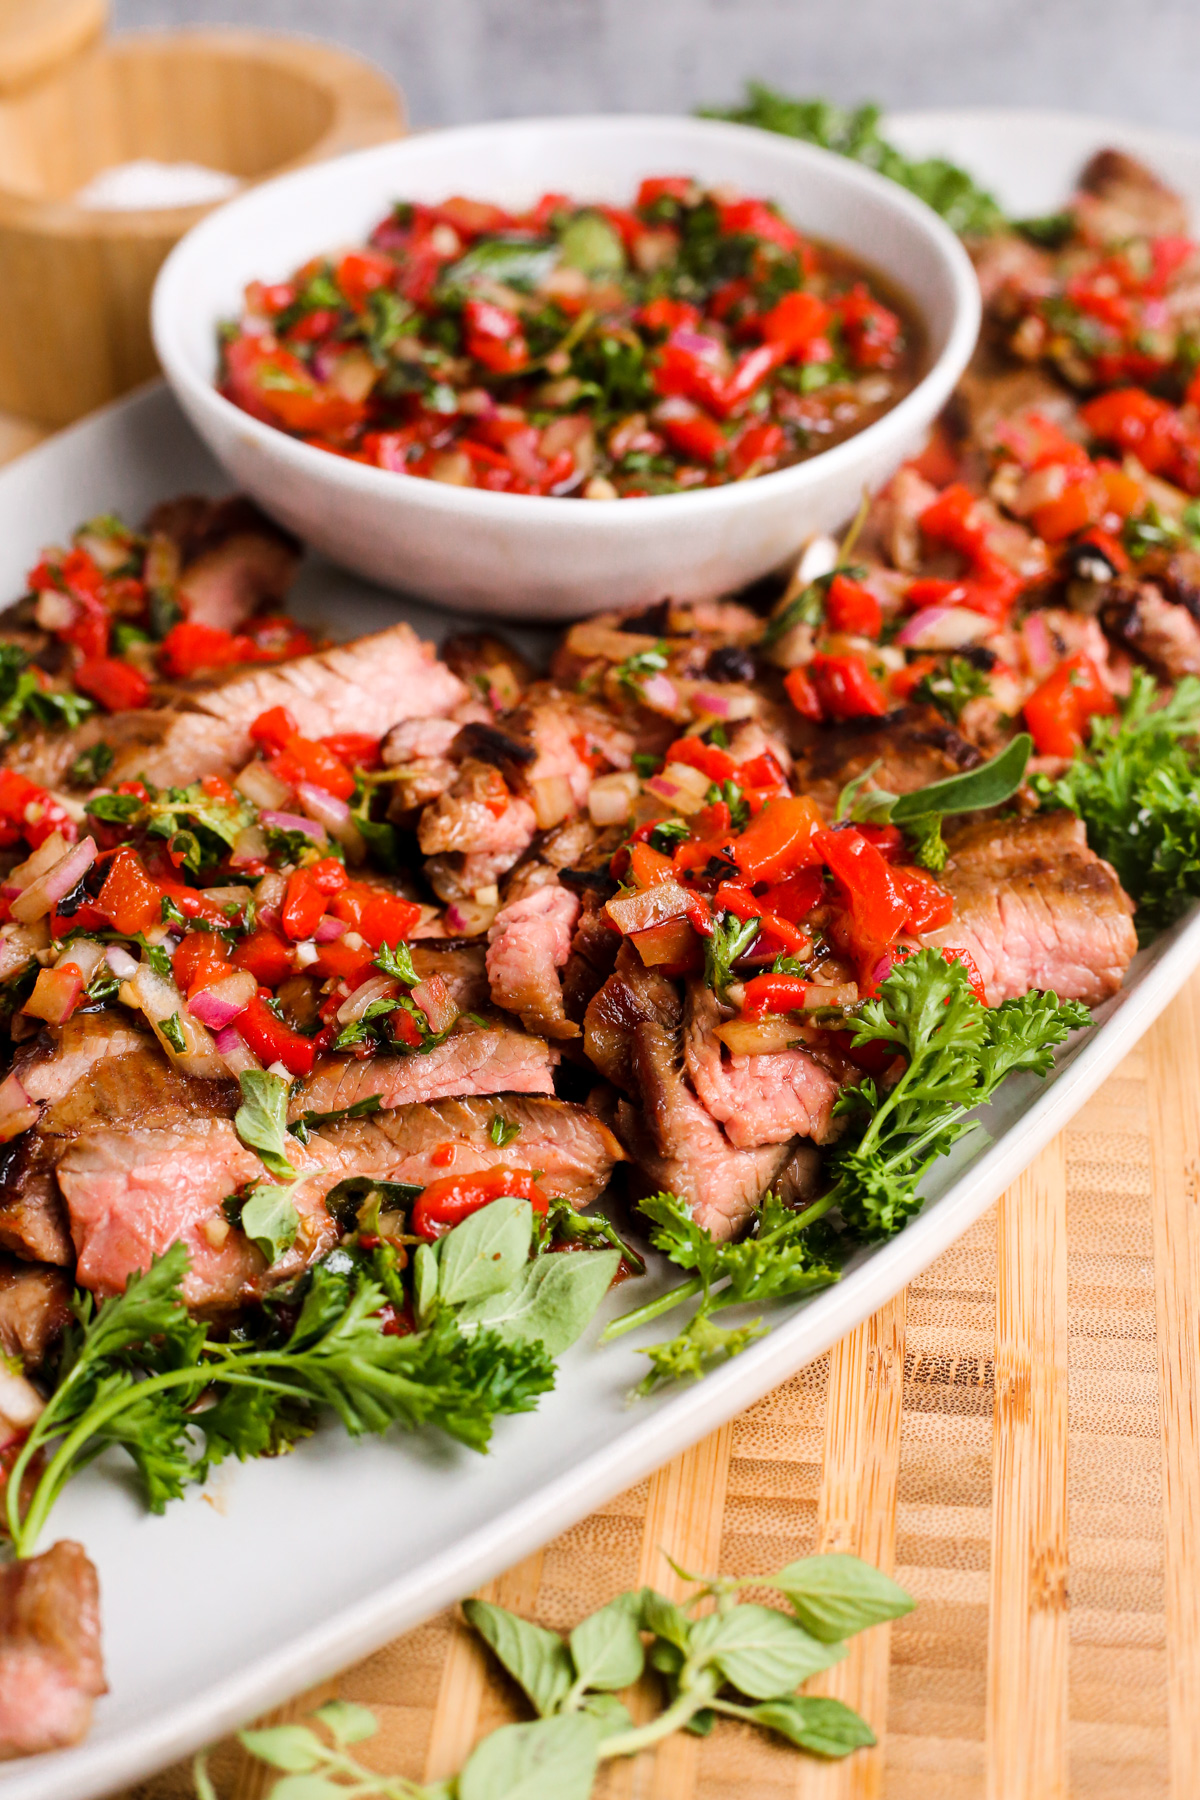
474 1060
51 1668
1037 909
1161 632
758 1099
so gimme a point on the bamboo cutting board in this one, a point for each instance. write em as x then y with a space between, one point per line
1015 1436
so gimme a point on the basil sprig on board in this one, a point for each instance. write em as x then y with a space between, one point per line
715 1655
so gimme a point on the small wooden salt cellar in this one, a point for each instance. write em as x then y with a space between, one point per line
75 281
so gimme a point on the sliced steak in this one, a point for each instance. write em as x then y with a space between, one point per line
1119 198
481 822
117 1076
1159 631
912 750
566 733
758 1099
529 941
365 686
573 1149
130 1194
1037 909
593 956
476 1059
35 1305
461 967
632 1034
51 1667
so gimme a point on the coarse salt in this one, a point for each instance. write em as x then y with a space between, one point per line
144 183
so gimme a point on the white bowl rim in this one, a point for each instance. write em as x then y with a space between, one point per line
170 300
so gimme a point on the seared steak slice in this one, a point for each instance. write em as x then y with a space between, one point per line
593 955
51 1667
564 731
367 686
479 820
1121 198
233 559
35 1304
131 1193
572 1148
632 1034
758 1099
679 1147
475 1059
117 1076
529 941
912 750
1037 909
461 967
1158 630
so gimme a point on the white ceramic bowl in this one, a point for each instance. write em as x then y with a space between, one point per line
524 556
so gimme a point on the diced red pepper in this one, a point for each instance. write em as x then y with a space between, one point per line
748 375
357 749
930 905
267 956
852 608
950 519
802 694
712 761
1136 423
756 219
494 337
201 960
453 1198
665 314
795 321
129 898
377 916
117 685
1058 711
1076 507
272 729
664 187
361 272
757 446
303 906
273 1040
305 760
773 994
871 330
31 812
692 431
846 688
877 908
779 840
188 648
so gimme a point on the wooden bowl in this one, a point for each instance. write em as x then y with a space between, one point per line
75 287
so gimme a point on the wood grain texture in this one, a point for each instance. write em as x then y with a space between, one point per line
1173 1050
456 1715
74 304
857 1514
1027 1646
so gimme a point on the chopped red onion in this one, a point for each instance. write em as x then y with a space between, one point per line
58 881
214 1012
322 805
120 962
226 1040
329 929
944 628
660 693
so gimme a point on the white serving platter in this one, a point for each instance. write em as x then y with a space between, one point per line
283 1572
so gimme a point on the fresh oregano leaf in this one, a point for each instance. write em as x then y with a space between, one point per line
293 1748
552 1302
485 1254
606 1646
700 1724
762 1652
261 1119
554 1759
535 1658
822 1726
269 1219
425 1281
609 1713
346 1722
665 1620
836 1595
